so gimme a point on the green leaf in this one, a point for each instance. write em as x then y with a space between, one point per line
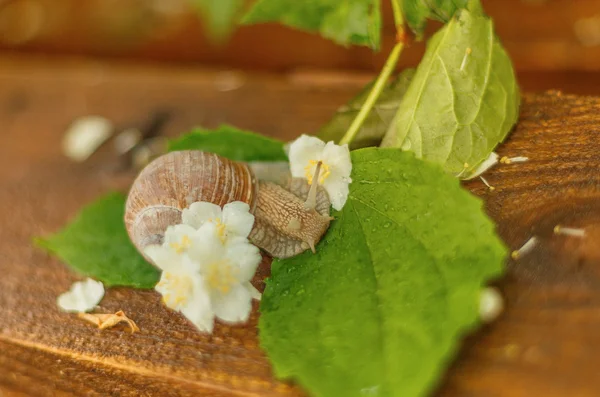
230 142
96 245
463 99
378 120
218 17
417 12
345 22
394 285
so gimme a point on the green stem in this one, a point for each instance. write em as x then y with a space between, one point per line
382 79
398 19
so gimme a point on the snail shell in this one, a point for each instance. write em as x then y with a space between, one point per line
174 181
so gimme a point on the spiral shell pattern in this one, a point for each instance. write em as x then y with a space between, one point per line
175 180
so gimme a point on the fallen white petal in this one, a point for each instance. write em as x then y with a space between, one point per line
491 304
84 137
483 167
83 296
126 140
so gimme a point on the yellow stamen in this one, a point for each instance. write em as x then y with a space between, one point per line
221 276
179 290
309 171
569 231
526 248
183 245
221 230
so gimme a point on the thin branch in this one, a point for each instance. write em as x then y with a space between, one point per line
382 79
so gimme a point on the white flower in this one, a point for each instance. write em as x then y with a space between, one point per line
227 270
83 296
208 278
307 151
179 237
182 286
234 219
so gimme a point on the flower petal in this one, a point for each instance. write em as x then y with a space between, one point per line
175 234
244 256
206 246
199 310
161 287
302 150
237 218
235 306
162 256
200 212
338 159
254 293
338 190
83 296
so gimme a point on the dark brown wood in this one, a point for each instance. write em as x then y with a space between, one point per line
546 344
538 34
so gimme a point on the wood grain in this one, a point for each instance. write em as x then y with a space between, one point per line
538 35
546 344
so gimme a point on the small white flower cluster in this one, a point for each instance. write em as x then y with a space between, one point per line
207 263
308 151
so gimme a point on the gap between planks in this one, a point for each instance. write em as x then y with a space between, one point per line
132 369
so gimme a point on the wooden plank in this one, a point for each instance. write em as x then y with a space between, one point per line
41 372
546 344
539 35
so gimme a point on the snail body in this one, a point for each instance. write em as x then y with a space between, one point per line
283 225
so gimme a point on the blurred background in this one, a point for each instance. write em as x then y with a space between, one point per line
553 43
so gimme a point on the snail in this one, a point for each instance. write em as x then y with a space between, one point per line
289 218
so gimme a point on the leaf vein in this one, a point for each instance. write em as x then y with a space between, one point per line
377 287
444 282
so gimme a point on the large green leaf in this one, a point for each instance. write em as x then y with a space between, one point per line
377 121
417 12
230 142
345 22
219 17
463 99
394 285
96 244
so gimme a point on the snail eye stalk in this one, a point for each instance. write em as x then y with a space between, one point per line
311 200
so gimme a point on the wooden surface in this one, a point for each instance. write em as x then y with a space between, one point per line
546 344
538 35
